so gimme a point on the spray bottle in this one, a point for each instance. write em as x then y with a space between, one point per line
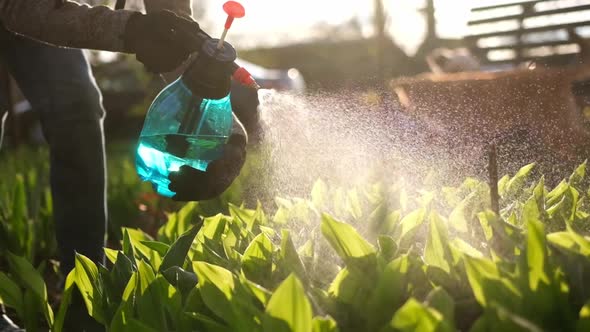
191 119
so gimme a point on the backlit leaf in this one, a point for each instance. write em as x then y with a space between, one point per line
347 243
257 259
437 252
516 183
289 308
415 317
86 278
321 324
10 294
536 253
319 192
410 223
179 250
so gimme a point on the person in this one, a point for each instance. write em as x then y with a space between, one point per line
40 44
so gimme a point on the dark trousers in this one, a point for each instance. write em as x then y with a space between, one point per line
59 85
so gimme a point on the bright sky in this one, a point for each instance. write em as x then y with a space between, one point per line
273 22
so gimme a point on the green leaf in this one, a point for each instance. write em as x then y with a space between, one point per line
128 249
221 293
556 195
262 294
515 184
440 300
121 272
86 278
181 279
437 251
388 294
208 323
347 243
351 287
150 297
409 224
502 183
32 280
478 271
126 308
31 309
415 317
66 299
159 247
111 254
378 220
327 324
257 259
10 294
136 238
246 216
387 247
306 250
27 275
572 241
584 321
319 192
489 287
353 204
501 236
289 308
281 217
533 208
146 276
536 254
212 230
486 224
19 211
289 258
517 322
139 326
178 223
578 175
459 246
390 222
179 250
458 218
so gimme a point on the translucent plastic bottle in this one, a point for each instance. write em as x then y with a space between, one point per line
189 121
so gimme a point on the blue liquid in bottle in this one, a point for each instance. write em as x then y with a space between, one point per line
181 129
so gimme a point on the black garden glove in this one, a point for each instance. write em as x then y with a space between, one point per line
162 40
191 184
245 102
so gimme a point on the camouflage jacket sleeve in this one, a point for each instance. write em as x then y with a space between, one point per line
180 7
69 24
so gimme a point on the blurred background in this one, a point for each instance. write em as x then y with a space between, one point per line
303 48
312 45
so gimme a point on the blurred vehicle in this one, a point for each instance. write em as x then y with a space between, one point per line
277 79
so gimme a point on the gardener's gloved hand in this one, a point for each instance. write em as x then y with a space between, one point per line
162 40
191 184
245 102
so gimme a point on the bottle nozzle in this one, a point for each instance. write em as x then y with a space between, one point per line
242 76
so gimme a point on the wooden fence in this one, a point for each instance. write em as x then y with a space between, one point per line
519 31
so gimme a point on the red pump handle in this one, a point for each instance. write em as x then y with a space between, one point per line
234 10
